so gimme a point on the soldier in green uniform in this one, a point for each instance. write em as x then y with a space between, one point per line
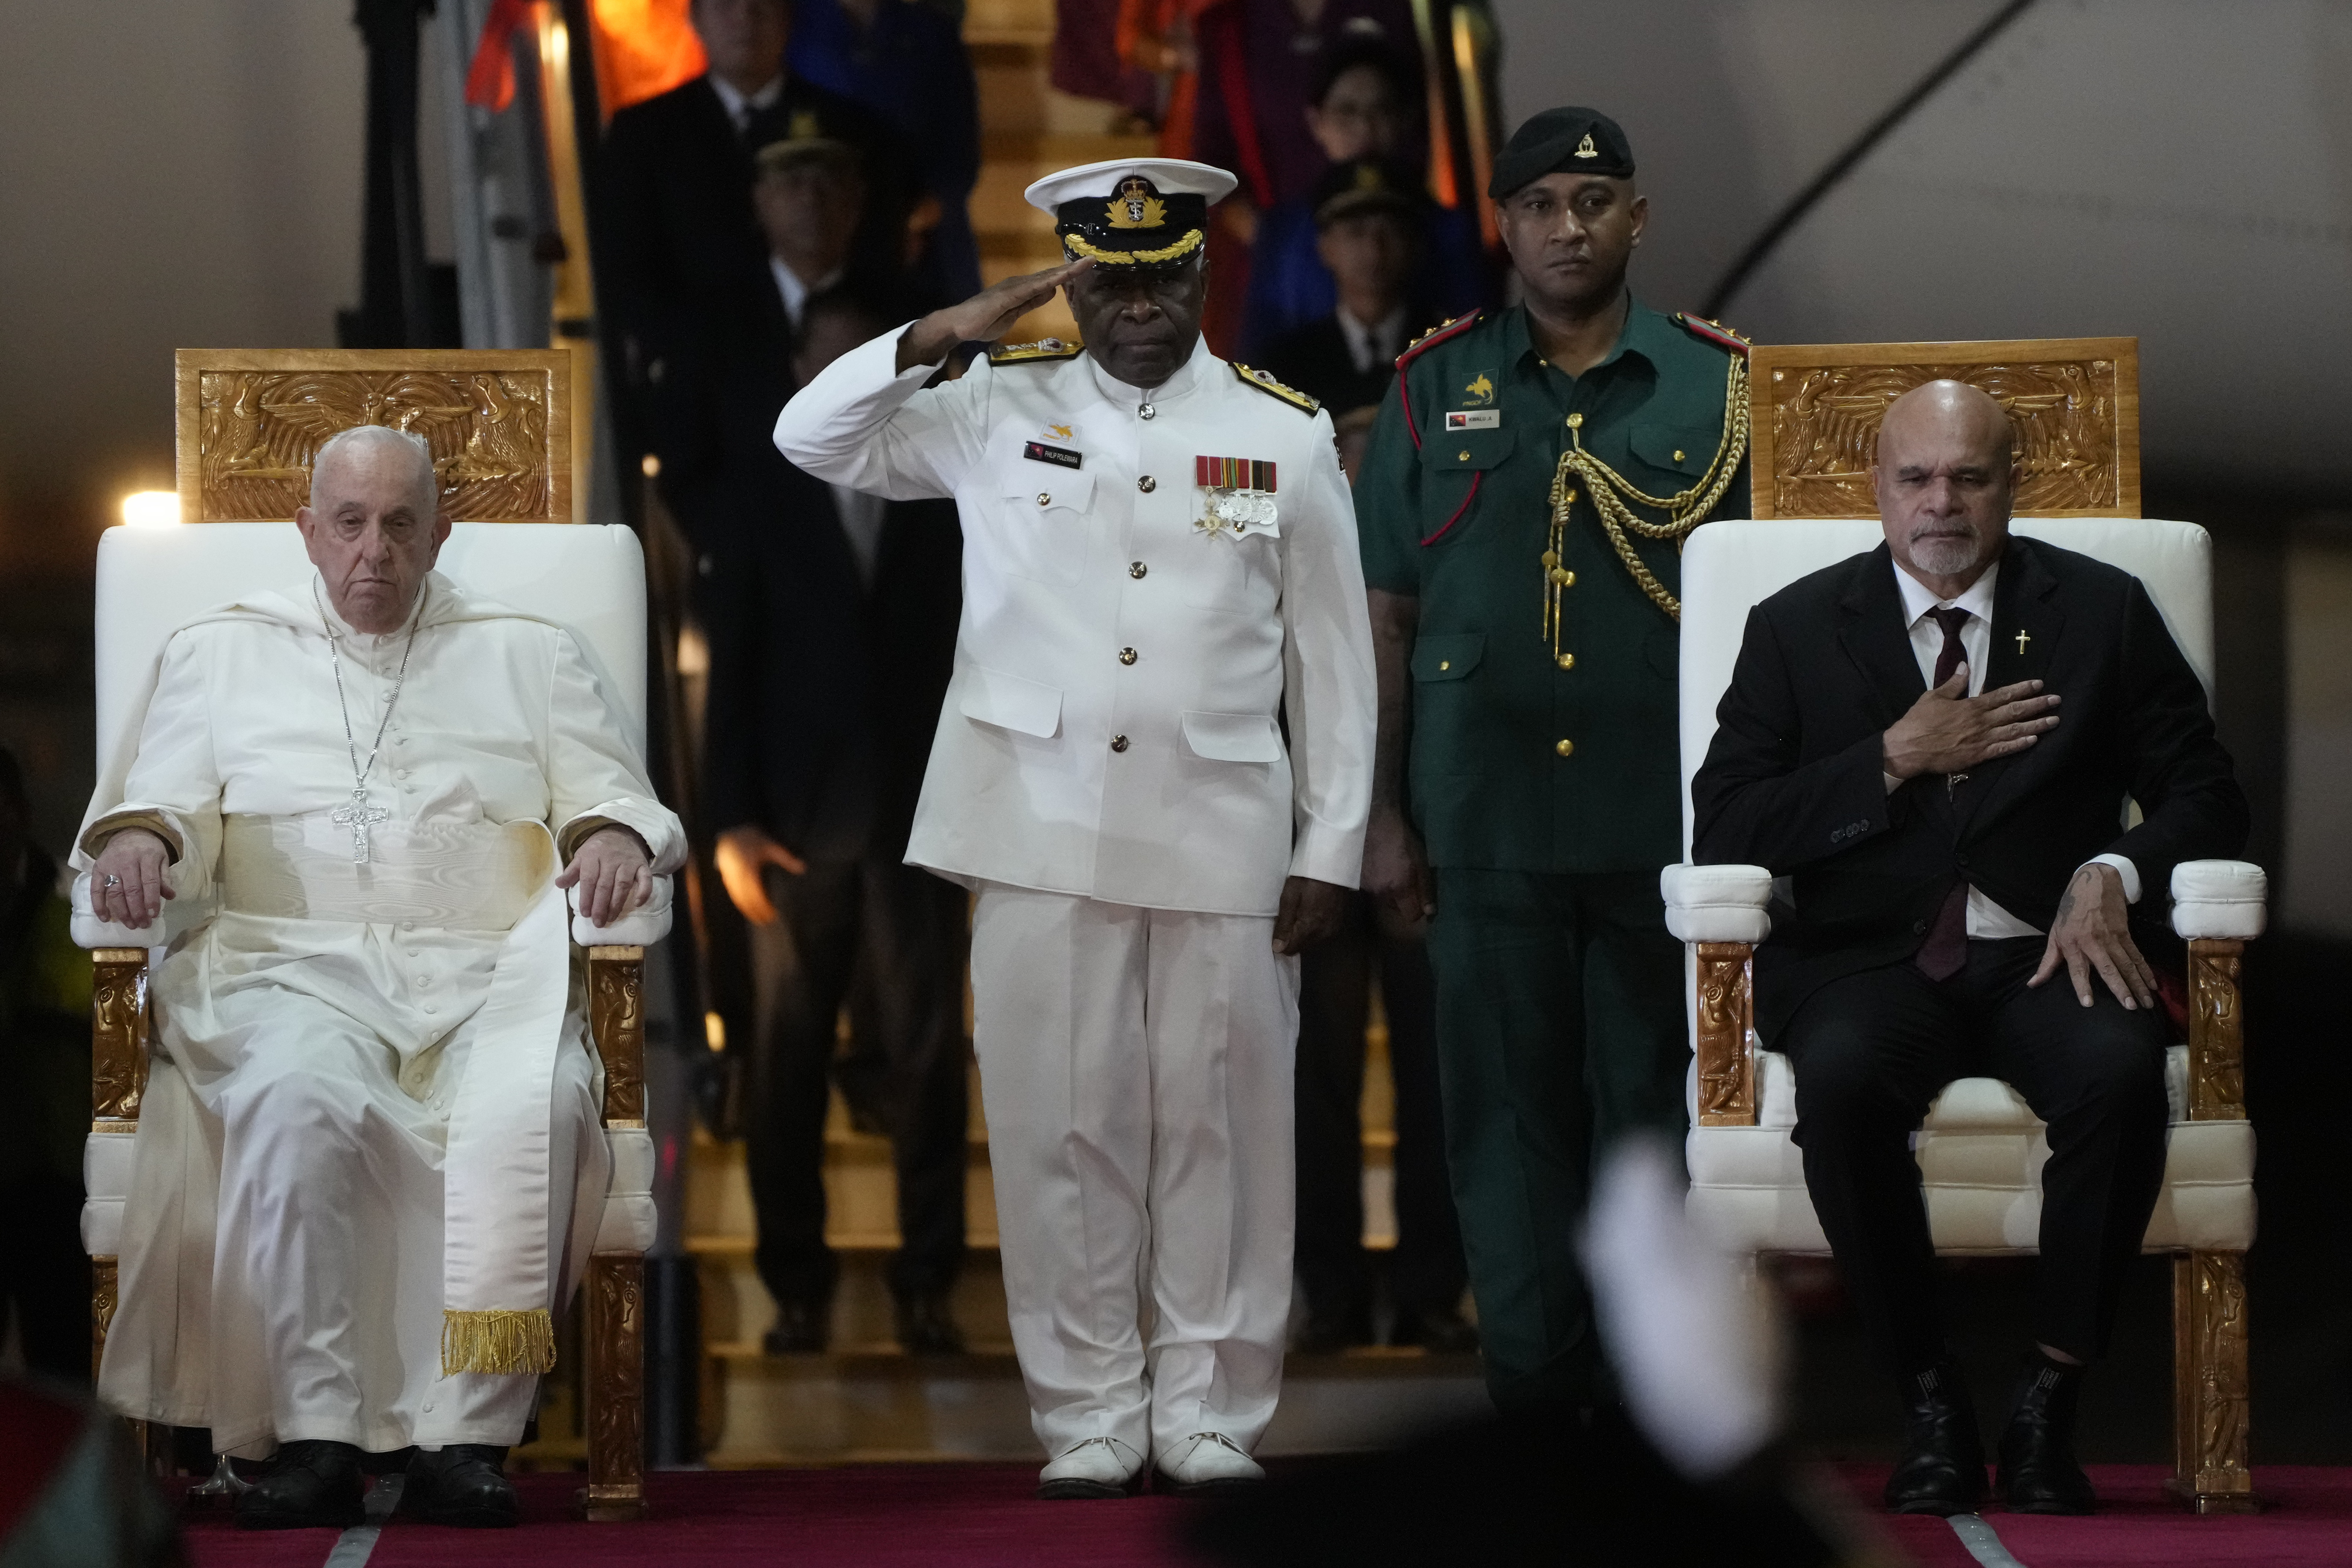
1522 512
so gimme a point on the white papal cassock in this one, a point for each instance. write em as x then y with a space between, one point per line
370 1133
1110 774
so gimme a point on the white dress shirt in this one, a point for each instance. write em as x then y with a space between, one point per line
1986 920
795 293
1376 343
742 106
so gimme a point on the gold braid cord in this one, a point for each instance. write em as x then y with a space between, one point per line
1610 490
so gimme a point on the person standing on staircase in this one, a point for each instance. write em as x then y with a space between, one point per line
1159 557
1550 455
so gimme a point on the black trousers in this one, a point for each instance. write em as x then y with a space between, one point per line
1335 993
913 932
1871 1052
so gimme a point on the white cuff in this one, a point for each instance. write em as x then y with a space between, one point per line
2124 869
1893 783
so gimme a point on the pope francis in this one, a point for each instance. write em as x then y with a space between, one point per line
369 1167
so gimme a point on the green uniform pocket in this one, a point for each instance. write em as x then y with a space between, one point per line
1465 451
1447 657
1676 449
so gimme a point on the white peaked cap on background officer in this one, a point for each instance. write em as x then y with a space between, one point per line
1132 212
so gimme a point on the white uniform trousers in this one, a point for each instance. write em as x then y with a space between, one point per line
1136 1065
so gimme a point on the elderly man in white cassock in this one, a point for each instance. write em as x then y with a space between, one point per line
370 1168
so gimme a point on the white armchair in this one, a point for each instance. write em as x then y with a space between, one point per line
593 580
1981 1150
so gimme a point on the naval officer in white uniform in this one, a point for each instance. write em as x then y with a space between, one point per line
1160 570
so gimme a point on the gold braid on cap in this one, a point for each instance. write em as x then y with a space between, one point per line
1185 247
1610 490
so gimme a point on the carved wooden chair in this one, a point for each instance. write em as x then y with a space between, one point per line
498 423
1815 414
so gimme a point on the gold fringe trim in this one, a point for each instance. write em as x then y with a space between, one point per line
511 1342
1185 247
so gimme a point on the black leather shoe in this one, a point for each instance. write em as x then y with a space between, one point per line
1942 1470
306 1485
802 1329
463 1485
1441 1330
925 1325
2038 1470
1329 1333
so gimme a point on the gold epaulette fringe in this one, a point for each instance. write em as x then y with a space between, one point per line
1263 381
503 1341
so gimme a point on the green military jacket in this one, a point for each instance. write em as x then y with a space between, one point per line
1538 748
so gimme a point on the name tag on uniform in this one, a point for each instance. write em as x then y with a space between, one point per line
1060 457
1474 419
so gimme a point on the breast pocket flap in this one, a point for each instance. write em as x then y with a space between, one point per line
1045 487
1010 702
1449 657
1232 736
1679 449
1466 450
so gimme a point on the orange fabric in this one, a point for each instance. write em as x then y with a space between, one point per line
489 79
643 48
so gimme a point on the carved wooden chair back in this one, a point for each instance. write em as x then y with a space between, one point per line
1814 410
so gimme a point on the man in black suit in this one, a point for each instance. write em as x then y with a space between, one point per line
1371 229
685 267
1893 742
832 638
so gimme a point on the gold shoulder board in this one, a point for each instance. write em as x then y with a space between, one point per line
1264 383
1043 348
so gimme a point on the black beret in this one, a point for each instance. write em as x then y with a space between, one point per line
1562 140
1368 185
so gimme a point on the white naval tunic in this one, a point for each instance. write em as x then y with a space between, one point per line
283 1270
1108 772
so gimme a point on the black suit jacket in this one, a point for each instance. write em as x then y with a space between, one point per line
1792 780
1316 360
825 692
685 277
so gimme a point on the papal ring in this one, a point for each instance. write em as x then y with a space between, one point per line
111 881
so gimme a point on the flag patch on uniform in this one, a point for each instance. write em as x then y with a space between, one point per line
1060 457
1473 419
1233 473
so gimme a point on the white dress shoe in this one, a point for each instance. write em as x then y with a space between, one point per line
1098 1468
1209 1461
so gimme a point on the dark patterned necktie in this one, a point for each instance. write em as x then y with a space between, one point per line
1945 950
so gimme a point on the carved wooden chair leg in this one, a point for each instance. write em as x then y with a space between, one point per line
2210 1403
614 1327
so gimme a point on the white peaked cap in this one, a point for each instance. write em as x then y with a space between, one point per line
1170 176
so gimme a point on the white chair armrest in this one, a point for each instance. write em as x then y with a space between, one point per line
1717 902
2219 898
106 1161
641 927
89 931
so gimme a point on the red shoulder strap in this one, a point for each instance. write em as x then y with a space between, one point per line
1429 339
1722 337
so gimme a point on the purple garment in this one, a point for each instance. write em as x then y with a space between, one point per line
1285 57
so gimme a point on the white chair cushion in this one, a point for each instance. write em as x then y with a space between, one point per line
1717 902
2219 898
1980 1153
641 927
629 1223
106 1181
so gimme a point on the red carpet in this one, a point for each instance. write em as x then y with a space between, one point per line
897 1516
2307 1522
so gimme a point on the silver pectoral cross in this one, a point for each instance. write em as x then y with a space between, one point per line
359 816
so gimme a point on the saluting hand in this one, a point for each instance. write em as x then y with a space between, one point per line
986 317
1949 731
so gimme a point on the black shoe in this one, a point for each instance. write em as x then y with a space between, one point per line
1441 1330
304 1486
2038 1470
926 1327
802 1329
1942 1470
462 1485
1328 1333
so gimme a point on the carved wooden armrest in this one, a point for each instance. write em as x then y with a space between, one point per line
2218 906
1719 911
